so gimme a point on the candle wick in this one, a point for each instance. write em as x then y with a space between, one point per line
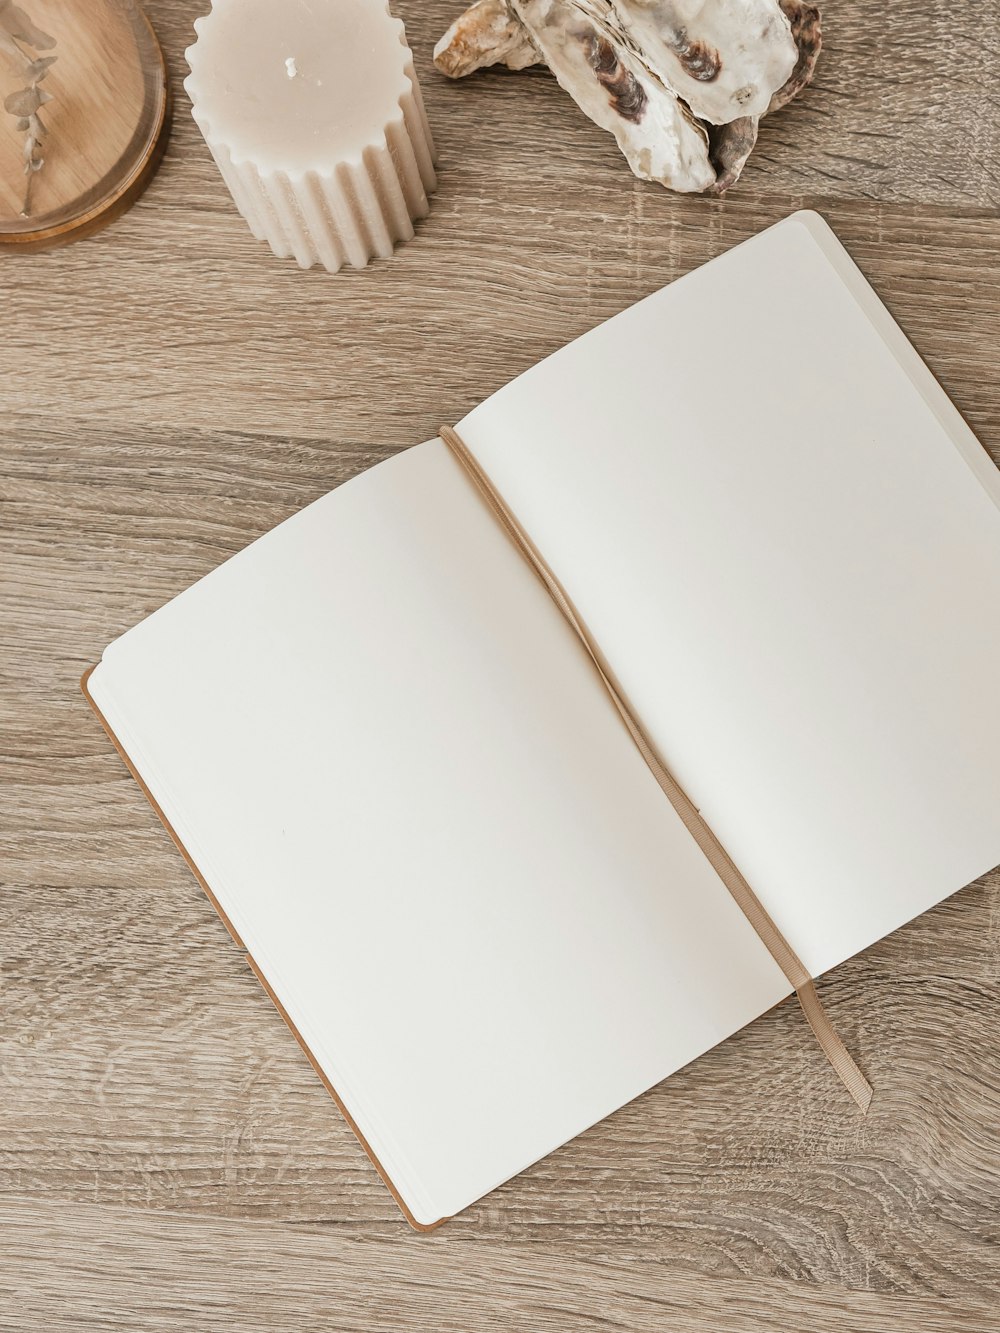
291 67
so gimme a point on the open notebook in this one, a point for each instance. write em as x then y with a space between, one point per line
402 781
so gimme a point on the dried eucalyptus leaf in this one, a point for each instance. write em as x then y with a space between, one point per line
8 44
17 23
38 69
25 102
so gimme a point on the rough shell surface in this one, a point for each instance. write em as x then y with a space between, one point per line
592 60
681 84
807 33
725 58
486 34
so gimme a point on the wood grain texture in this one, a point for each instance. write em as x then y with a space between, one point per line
124 1267
169 392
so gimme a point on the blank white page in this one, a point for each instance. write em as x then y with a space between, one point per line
403 781
787 543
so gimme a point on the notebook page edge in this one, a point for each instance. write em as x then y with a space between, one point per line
413 1209
911 362
423 1225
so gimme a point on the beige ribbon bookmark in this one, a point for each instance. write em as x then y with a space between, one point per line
779 948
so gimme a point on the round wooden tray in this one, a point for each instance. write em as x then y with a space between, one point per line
107 122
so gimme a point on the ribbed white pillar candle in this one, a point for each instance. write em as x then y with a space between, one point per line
313 113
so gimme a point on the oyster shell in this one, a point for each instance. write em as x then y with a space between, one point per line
731 144
681 84
725 58
807 34
488 33
593 61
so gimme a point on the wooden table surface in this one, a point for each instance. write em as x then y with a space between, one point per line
168 1160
